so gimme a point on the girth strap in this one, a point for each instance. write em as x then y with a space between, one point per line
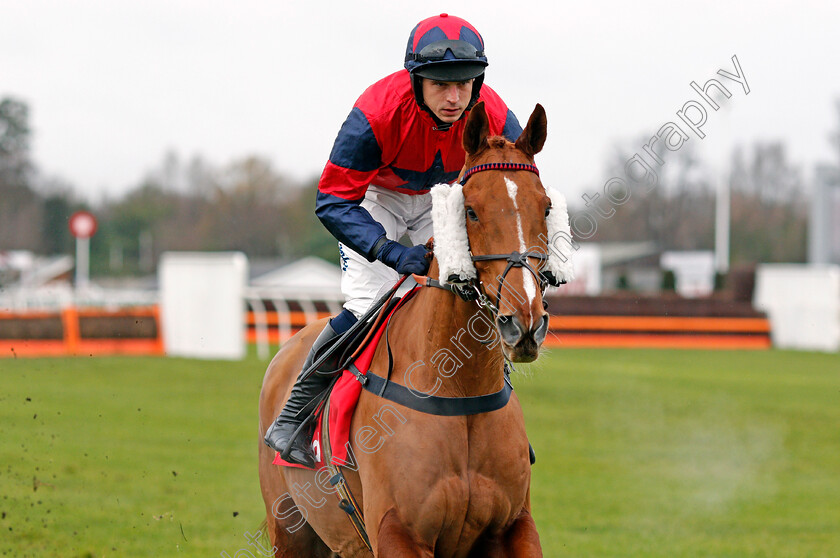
431 404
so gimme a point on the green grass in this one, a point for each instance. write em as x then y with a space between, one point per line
686 453
640 453
128 456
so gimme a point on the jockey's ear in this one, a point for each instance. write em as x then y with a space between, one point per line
532 139
476 130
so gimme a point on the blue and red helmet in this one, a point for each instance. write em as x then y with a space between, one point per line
445 48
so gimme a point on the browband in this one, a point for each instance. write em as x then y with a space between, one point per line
498 166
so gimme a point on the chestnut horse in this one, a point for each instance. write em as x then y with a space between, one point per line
429 485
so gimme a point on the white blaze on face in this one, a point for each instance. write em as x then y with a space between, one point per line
527 279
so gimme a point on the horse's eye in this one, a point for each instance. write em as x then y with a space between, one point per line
547 211
471 214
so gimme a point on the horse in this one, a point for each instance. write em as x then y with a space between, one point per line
428 485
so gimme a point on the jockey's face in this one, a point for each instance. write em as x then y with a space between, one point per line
447 99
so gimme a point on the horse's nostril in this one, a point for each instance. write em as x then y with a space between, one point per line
510 329
541 330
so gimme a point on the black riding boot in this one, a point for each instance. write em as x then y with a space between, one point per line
303 392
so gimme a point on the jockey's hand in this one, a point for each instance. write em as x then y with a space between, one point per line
404 259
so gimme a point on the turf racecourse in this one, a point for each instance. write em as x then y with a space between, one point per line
640 453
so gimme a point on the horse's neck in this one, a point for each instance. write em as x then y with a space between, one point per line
456 341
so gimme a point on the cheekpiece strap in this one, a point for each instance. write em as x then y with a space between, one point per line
498 166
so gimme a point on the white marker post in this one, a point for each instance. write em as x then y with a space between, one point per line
83 226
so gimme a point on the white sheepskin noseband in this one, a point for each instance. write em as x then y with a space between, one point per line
560 243
452 246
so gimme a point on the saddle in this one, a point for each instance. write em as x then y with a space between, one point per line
336 354
354 352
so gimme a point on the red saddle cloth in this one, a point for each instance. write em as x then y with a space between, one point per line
343 399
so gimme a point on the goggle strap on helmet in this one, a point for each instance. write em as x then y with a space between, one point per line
436 51
417 57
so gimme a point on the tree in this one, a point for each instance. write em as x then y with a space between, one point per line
768 216
178 205
306 235
250 207
768 207
56 237
245 206
677 212
131 226
20 209
14 143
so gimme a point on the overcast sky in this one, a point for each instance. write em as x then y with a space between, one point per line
112 85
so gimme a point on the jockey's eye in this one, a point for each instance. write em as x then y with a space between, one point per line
471 214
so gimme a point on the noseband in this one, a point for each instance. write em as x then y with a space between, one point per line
514 259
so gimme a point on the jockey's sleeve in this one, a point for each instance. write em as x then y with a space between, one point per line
355 159
512 128
349 222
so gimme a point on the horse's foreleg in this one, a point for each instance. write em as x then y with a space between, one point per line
521 539
289 533
394 540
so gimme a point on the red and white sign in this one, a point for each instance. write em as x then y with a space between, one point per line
82 224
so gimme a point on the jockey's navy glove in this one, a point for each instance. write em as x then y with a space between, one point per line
404 259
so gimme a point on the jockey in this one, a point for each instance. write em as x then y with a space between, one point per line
402 137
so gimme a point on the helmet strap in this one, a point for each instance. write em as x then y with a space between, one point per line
417 87
476 91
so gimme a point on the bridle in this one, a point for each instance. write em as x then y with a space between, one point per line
474 289
515 259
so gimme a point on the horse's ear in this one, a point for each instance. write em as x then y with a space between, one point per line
532 139
476 130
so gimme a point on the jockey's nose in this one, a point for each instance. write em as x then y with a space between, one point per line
452 94
513 331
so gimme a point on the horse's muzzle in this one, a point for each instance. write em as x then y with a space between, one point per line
521 344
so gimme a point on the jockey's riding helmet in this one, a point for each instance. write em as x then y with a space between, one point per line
445 48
